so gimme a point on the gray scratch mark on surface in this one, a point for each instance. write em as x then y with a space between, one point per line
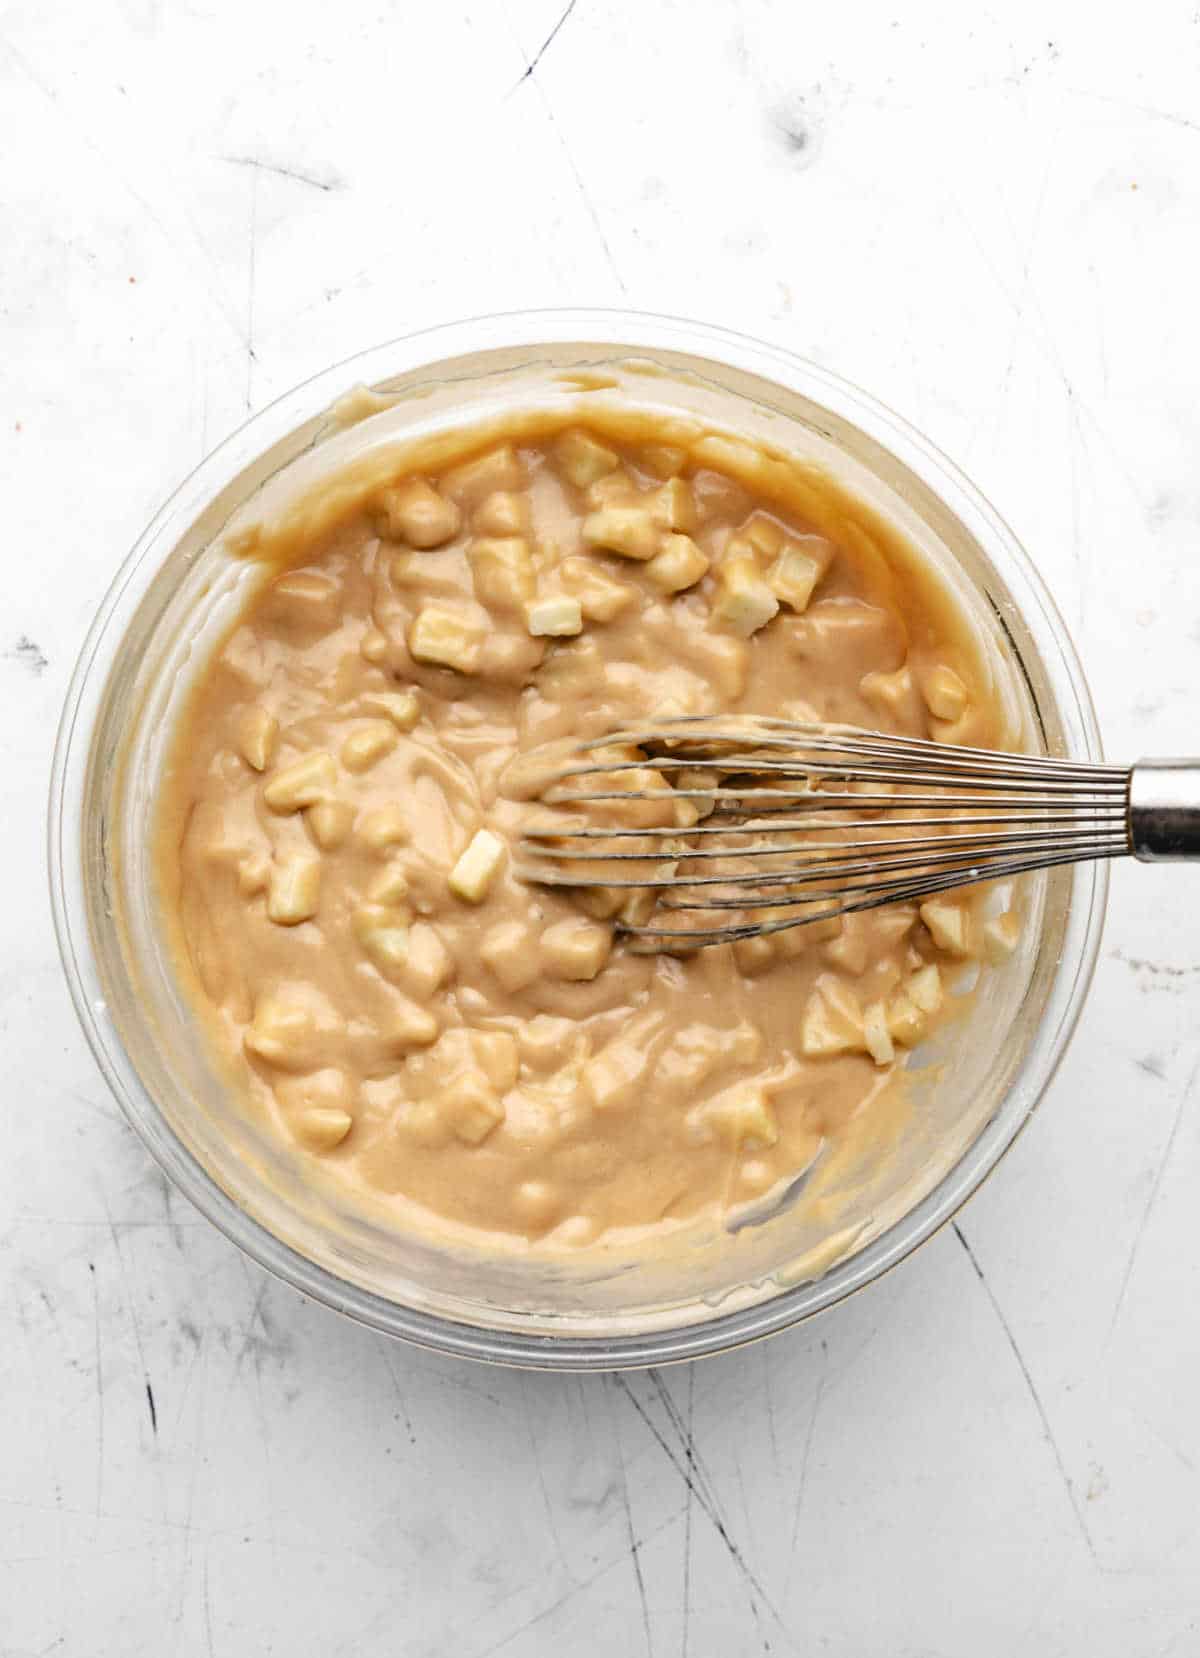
99 1393
1152 1199
163 1185
634 1546
1149 110
1167 1444
251 276
401 1400
1077 455
131 1306
540 1475
91 1225
584 193
207 1603
1152 1065
1043 336
1035 1396
41 1397
806 1454
280 171
1153 969
86 142
695 1476
1023 298
766 1350
29 654
687 1524
549 40
576 1589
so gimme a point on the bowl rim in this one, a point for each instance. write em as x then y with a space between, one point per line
611 328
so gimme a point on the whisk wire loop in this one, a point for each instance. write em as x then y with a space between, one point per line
863 819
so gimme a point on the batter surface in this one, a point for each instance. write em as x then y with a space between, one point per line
335 843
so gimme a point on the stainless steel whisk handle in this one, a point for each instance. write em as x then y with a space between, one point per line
1164 810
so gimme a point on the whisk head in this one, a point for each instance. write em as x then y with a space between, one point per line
746 826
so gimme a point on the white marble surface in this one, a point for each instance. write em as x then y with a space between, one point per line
987 216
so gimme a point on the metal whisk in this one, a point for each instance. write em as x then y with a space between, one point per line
776 825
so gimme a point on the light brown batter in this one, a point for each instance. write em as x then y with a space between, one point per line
335 846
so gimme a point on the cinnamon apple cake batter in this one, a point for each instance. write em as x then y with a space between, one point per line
335 845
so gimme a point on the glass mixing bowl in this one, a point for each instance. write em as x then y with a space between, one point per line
171 598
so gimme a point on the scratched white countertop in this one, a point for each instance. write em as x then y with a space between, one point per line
989 217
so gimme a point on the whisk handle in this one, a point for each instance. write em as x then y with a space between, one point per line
1164 810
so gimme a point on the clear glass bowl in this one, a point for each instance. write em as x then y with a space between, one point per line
174 591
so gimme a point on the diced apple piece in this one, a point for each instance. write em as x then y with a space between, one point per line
796 571
473 480
744 602
945 694
303 783
574 949
610 1080
305 599
427 964
390 886
322 1128
601 903
555 617
678 565
292 1028
370 742
258 735
673 507
510 658
253 874
741 1115
849 949
382 931
639 907
503 513
893 695
601 599
663 460
295 889
833 1022
537 1203
471 1107
446 638
877 1035
403 708
478 867
509 950
374 646
498 1058
545 1042
417 514
949 925
328 1089
754 955
924 989
411 1026
581 459
905 1021
763 534
616 489
627 531
502 572
329 822
1001 936
383 828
